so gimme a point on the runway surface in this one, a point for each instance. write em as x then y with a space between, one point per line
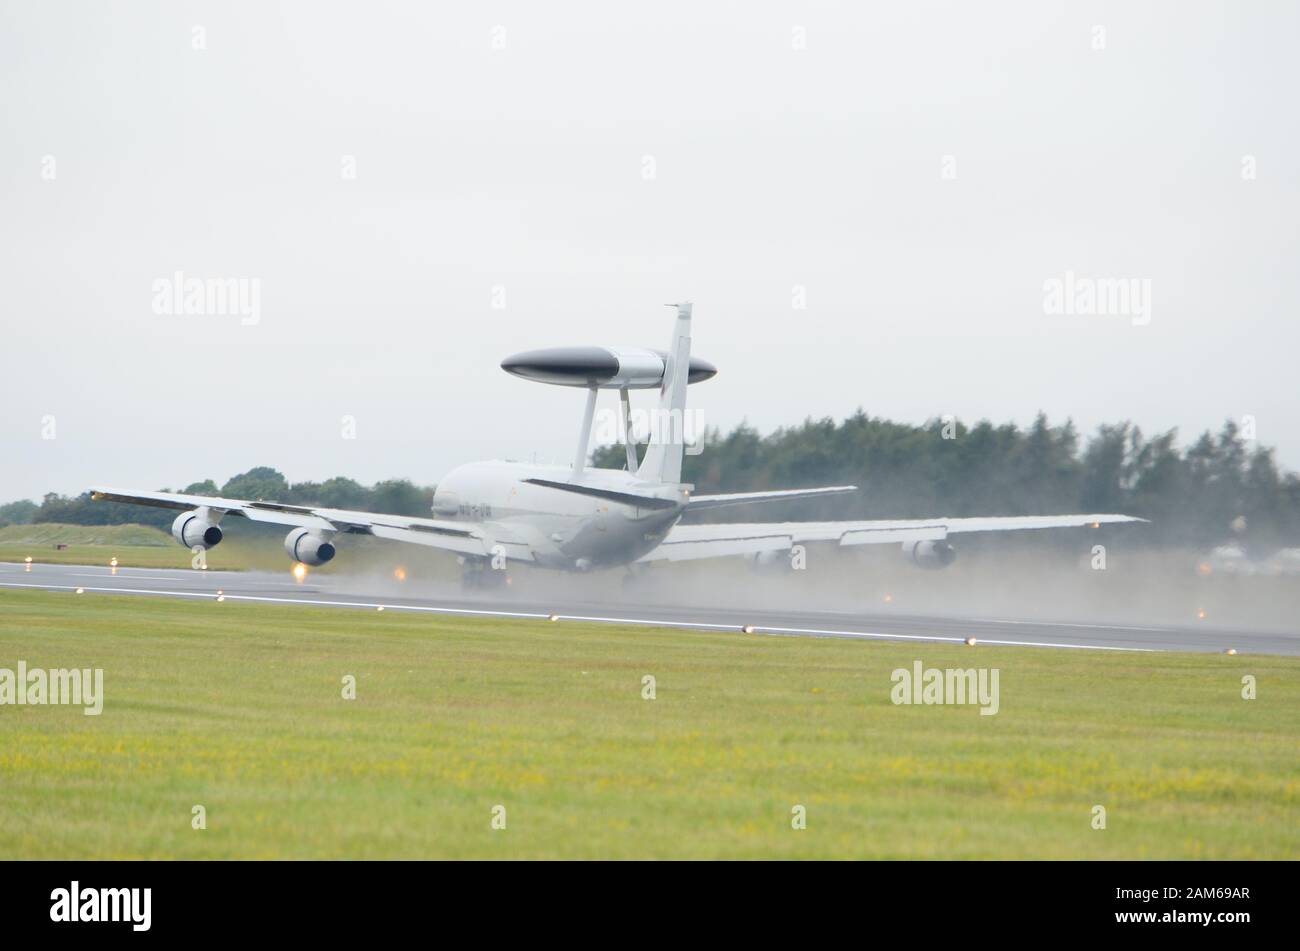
340 592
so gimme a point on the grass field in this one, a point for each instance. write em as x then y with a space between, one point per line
239 708
135 546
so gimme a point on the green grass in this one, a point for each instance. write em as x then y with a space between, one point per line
135 546
46 534
138 546
238 708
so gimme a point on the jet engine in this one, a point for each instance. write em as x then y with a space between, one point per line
930 554
196 530
304 545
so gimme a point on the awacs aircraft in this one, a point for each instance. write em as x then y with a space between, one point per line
579 518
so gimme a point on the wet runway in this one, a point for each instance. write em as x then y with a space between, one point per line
339 592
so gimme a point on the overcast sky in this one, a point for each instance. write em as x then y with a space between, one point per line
388 172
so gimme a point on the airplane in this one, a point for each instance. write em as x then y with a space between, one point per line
580 518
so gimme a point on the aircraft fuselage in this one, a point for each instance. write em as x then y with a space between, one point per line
564 529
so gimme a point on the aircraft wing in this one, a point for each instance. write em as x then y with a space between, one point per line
689 542
469 538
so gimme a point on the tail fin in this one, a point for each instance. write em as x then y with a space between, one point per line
663 457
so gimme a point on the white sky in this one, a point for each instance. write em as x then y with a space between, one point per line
522 167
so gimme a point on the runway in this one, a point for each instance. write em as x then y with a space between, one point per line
340 592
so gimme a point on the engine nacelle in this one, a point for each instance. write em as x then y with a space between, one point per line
930 554
196 530
304 545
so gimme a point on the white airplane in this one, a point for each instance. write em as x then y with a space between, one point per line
578 518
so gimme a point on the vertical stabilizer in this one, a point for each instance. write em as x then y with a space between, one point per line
663 457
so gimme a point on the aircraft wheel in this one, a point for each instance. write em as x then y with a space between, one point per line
484 578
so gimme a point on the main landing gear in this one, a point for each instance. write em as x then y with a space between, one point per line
477 574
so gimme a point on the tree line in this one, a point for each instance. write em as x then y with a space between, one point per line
1220 487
